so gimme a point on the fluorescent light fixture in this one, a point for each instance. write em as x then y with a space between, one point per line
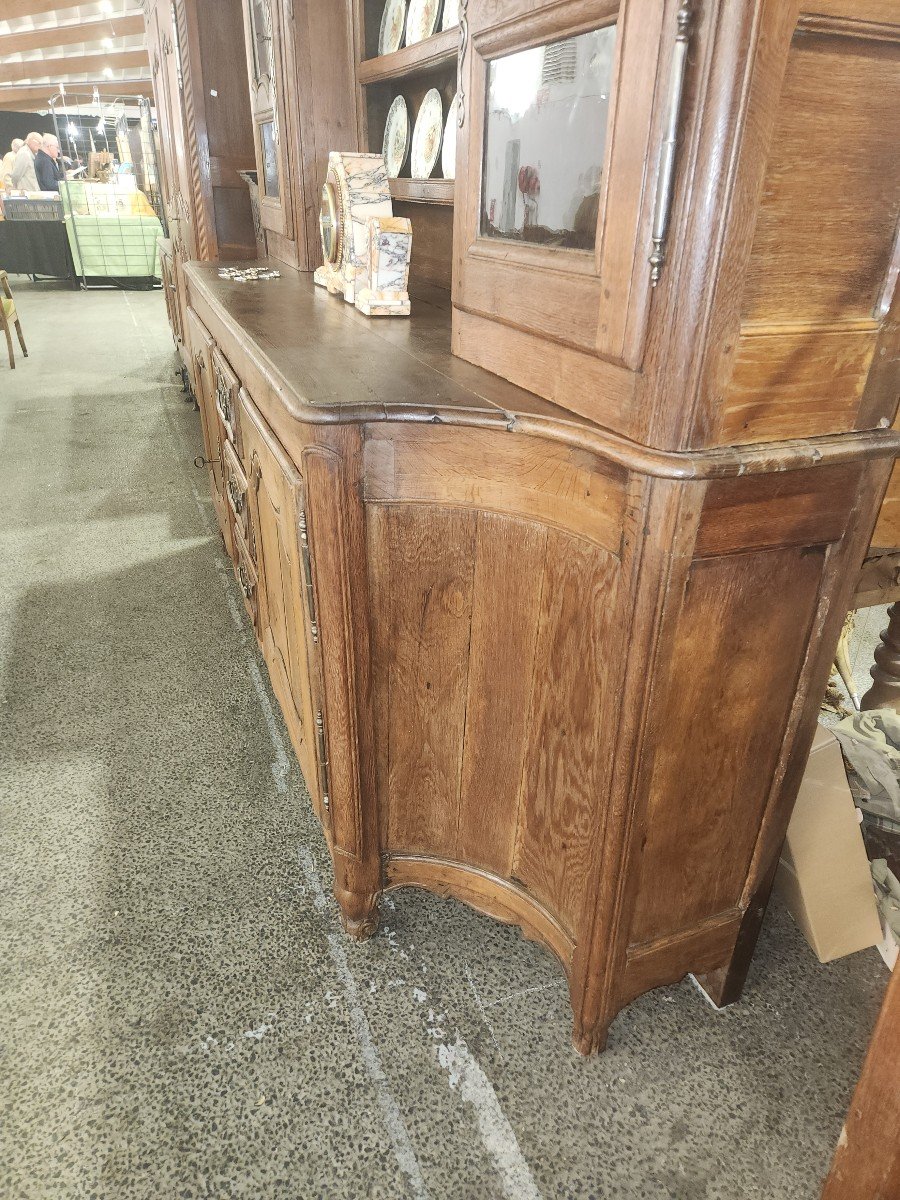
72 130
106 6
108 72
107 43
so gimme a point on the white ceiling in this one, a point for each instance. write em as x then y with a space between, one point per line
69 16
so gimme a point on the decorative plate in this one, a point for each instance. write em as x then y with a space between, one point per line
421 20
396 137
451 14
392 21
426 143
448 149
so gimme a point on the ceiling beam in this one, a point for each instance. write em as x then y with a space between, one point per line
58 68
13 9
30 98
70 35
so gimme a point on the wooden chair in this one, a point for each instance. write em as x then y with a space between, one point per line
9 317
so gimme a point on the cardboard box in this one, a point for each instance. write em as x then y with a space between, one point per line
823 876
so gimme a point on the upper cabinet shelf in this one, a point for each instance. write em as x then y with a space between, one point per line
423 191
418 59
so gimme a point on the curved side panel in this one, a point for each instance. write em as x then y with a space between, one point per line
489 894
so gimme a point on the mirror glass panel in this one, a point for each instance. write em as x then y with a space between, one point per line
544 141
270 159
261 38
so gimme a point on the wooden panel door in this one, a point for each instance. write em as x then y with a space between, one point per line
276 494
266 50
556 164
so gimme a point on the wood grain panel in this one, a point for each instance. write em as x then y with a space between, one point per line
794 508
887 530
566 772
489 470
798 384
728 694
829 209
424 654
506 601
867 1160
668 959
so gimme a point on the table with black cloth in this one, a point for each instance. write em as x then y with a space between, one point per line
36 248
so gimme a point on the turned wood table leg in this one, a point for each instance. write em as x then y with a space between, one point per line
885 690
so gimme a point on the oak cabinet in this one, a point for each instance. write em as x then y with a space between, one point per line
527 663
549 618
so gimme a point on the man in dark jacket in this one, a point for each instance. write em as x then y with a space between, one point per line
47 167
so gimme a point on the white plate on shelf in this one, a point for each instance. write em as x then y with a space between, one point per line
395 146
451 14
426 142
448 147
421 20
393 20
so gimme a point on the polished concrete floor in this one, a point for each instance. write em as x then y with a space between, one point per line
180 1016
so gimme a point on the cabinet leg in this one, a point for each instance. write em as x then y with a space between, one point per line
725 985
589 1040
885 690
359 911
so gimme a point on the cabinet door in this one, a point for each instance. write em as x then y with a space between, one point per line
284 630
266 68
556 170
201 347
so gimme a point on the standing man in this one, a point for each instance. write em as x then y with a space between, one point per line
22 177
47 167
6 164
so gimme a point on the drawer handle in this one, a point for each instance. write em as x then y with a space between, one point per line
246 585
200 461
237 497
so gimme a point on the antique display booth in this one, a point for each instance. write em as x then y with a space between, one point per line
549 574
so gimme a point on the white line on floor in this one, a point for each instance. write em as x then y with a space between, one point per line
497 1135
481 1007
390 1110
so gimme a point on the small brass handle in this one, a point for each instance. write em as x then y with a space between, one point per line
237 496
200 461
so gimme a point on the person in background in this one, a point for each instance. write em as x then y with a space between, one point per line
6 163
47 167
22 176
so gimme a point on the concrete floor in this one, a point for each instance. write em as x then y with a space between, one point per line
181 1016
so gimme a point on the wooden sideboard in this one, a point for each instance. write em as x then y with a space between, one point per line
525 662
549 618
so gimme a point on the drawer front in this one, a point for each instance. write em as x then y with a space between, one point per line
226 394
238 499
245 573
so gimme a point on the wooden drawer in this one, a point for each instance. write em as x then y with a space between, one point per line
226 389
245 573
238 500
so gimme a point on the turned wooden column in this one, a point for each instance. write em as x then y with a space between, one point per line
885 691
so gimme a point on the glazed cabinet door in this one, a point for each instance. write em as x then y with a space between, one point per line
286 633
266 47
561 141
201 349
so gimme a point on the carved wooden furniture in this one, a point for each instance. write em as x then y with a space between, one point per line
558 652
202 108
867 1159
8 318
